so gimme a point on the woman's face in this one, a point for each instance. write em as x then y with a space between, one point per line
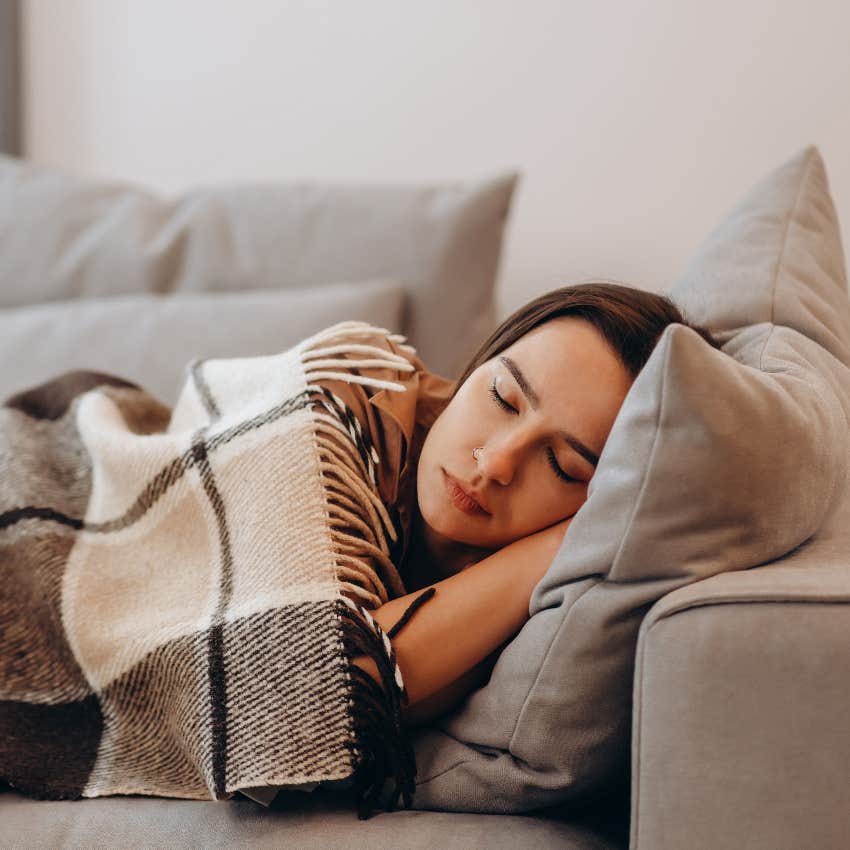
562 386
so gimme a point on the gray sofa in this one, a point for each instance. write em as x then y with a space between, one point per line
737 735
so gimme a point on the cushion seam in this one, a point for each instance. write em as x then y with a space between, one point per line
637 729
762 367
787 227
442 772
826 389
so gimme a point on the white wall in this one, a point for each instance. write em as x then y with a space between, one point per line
636 125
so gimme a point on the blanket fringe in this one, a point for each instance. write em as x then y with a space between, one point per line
358 521
382 749
321 362
361 530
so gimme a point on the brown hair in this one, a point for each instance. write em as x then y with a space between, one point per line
631 321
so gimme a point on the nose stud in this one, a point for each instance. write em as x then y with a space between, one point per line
476 453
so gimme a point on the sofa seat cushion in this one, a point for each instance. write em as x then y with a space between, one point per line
306 821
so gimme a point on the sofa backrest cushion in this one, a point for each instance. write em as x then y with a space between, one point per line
65 237
150 339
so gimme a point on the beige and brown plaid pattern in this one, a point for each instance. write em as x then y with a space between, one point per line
179 586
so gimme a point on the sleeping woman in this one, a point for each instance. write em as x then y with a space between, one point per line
498 464
261 587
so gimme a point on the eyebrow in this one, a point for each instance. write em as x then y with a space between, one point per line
534 400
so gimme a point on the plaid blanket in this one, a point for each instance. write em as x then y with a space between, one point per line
183 590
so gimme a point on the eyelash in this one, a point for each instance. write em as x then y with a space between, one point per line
550 455
498 399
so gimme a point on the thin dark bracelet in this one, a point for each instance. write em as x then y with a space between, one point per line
411 609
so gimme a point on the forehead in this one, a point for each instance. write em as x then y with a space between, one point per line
563 342
577 375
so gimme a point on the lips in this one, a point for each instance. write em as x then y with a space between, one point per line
461 498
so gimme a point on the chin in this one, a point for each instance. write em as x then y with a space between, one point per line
438 517
454 528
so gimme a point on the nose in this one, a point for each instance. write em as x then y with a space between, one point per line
498 461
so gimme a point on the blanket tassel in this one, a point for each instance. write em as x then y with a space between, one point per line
384 749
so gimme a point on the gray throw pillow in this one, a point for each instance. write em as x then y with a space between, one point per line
717 461
776 257
150 339
64 237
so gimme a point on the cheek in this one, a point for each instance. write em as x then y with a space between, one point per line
429 464
441 440
441 449
539 502
454 433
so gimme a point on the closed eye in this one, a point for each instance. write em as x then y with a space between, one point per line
550 455
499 400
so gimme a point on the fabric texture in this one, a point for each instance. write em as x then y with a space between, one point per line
184 589
717 461
96 238
148 338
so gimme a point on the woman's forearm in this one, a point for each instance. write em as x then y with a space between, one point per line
472 613
450 696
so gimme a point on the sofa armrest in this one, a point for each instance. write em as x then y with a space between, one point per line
740 733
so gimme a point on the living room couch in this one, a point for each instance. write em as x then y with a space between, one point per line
737 733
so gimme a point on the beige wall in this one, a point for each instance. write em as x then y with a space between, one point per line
635 124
